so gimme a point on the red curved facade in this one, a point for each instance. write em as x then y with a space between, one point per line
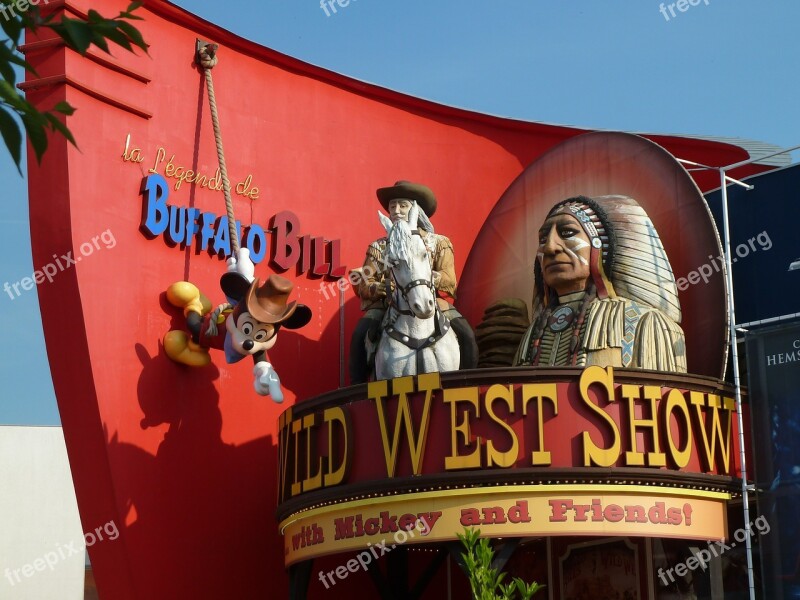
185 462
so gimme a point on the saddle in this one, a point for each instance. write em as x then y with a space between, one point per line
379 327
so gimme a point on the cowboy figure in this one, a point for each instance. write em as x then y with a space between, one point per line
375 282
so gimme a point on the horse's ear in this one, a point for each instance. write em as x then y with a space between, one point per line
385 221
413 216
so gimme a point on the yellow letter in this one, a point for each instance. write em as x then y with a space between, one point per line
284 424
542 391
311 482
331 415
634 457
592 454
402 386
473 460
714 403
679 456
243 186
131 155
297 426
160 154
493 456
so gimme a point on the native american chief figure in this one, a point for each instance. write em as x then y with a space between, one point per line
604 291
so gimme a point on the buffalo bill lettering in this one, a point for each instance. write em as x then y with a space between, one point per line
187 226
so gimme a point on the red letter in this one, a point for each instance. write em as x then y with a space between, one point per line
305 253
286 249
337 269
558 511
318 264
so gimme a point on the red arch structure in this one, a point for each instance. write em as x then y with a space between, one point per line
185 461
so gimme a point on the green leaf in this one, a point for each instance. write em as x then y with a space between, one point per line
30 18
6 70
12 136
80 35
77 34
64 108
99 40
36 134
18 60
116 36
11 96
46 20
134 34
94 16
486 583
57 125
12 28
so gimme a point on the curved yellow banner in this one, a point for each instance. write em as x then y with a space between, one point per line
379 525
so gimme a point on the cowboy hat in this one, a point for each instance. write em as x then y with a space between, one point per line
406 190
268 303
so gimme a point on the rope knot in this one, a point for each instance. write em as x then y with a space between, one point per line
207 56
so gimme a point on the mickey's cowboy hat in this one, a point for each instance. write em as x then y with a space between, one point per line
406 190
268 303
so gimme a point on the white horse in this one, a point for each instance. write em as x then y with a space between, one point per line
416 337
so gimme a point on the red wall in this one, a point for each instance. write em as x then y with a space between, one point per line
185 461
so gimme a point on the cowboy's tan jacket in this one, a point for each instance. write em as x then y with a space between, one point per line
442 259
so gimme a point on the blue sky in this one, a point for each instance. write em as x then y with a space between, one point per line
723 68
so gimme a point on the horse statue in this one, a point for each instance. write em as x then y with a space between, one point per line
417 337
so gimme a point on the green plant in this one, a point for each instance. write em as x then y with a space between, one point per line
78 35
487 582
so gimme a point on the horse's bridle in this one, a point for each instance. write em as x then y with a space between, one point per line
404 290
441 323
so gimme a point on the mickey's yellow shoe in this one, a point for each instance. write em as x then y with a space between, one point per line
179 347
187 296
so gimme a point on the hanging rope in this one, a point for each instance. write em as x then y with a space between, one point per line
207 59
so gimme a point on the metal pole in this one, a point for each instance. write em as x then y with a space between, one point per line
449 580
341 336
744 326
737 381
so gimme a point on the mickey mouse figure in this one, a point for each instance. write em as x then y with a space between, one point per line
252 318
